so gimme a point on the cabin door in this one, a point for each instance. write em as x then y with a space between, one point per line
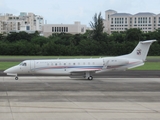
32 66
105 63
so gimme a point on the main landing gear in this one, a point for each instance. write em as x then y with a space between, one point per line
16 78
88 76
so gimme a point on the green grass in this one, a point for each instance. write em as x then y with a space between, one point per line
149 66
146 66
5 65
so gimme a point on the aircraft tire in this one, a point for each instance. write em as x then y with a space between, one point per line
90 78
16 78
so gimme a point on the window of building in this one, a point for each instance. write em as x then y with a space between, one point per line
125 20
27 27
52 29
57 29
135 20
149 19
66 29
82 29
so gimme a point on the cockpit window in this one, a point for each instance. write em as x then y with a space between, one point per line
23 64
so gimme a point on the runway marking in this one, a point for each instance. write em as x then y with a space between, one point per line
8 99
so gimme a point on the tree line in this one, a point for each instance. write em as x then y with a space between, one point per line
93 42
79 44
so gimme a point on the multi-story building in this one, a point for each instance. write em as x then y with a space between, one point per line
49 29
29 23
3 23
117 22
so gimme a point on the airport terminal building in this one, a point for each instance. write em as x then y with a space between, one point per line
76 28
117 22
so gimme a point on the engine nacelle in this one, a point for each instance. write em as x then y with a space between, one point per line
117 62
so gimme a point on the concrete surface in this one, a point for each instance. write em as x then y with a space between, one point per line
62 98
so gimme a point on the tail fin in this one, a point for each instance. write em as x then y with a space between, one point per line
141 50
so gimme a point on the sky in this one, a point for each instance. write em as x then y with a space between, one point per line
69 11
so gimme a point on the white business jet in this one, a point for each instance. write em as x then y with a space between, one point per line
84 67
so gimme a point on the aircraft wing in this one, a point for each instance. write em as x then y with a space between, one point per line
85 70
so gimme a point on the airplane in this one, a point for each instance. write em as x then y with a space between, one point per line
84 67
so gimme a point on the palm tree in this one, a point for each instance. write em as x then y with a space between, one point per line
97 26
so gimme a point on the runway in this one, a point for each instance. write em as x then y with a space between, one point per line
63 98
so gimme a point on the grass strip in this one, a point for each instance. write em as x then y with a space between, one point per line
149 66
5 65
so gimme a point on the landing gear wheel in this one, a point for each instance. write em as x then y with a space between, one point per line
16 78
90 78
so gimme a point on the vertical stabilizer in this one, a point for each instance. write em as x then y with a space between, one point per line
141 50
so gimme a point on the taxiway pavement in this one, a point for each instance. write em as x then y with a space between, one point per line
63 98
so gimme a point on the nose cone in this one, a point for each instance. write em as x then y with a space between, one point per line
6 71
11 70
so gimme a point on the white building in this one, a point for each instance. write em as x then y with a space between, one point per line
49 29
24 22
117 22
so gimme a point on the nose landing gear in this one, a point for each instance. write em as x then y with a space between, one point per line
16 78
